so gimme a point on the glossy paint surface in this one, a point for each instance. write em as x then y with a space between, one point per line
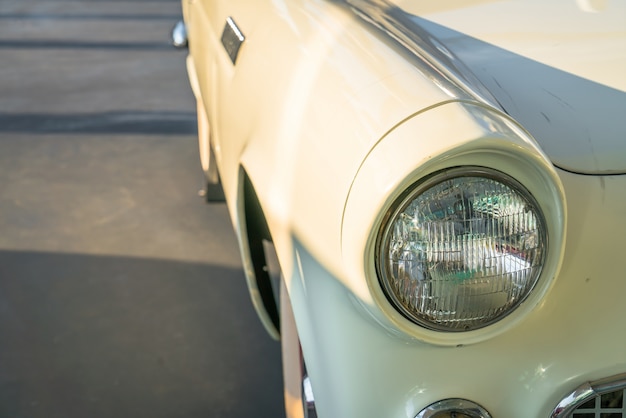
542 62
331 118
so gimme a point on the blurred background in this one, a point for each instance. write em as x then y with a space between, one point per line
121 291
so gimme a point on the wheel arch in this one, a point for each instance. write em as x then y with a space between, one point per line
254 236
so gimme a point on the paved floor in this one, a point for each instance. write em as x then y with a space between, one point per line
121 292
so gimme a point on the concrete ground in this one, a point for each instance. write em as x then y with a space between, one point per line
121 292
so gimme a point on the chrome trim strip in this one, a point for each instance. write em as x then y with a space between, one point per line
586 392
232 38
451 406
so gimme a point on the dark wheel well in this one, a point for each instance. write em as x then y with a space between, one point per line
258 233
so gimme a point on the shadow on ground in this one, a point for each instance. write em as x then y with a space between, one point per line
99 336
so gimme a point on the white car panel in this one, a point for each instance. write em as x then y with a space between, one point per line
330 111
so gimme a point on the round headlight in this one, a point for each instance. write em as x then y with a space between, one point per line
461 249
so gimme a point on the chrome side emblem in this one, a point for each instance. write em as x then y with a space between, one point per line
232 38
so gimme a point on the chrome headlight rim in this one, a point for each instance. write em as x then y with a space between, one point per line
463 407
420 186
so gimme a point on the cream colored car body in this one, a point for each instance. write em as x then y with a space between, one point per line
331 112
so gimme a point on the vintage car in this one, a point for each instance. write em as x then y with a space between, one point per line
429 197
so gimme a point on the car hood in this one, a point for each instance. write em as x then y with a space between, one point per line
557 67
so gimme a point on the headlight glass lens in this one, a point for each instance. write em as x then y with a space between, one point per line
462 249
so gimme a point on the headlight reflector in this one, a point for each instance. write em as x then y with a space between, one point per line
462 249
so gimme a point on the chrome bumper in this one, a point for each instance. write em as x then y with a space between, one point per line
179 35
